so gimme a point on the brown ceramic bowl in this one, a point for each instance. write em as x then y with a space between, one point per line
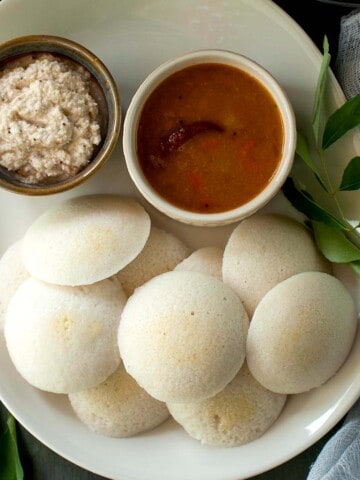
103 89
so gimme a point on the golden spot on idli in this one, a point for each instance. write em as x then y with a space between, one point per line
102 240
228 413
63 324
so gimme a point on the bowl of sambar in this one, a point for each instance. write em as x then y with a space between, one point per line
209 137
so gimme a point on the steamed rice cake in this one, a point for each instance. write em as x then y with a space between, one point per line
118 407
240 413
162 252
182 336
85 239
63 339
301 333
12 274
264 250
206 260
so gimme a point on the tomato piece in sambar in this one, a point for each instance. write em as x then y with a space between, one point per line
210 138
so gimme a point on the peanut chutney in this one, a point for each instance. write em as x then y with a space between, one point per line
210 138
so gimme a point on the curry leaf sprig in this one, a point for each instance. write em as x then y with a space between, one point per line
337 238
10 465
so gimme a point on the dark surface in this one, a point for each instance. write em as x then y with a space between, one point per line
317 19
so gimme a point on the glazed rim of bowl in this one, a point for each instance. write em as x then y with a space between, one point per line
133 115
79 54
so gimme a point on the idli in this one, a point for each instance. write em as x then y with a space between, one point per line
12 274
118 407
264 250
162 252
240 413
182 336
206 260
85 239
301 333
63 339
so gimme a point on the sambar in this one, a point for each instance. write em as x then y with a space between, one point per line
210 138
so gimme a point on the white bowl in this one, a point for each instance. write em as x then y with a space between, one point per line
132 121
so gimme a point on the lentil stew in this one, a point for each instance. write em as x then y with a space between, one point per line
210 138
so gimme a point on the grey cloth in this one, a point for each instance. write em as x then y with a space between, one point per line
340 457
348 59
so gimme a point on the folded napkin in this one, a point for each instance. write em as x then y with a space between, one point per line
348 58
340 457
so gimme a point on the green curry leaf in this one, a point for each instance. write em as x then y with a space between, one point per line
335 235
356 267
334 245
10 465
302 150
341 121
303 202
320 90
351 175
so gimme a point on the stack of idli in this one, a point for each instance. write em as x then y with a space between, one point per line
173 321
123 317
303 320
62 291
61 323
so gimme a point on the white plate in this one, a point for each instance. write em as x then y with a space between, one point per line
133 37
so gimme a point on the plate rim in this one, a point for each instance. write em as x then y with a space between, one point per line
295 30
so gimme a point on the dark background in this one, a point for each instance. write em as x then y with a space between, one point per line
40 463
